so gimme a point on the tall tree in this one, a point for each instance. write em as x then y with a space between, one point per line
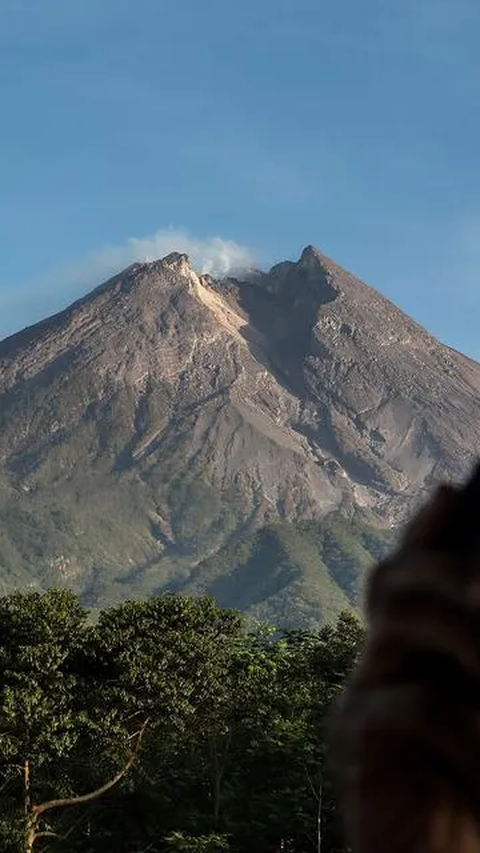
50 726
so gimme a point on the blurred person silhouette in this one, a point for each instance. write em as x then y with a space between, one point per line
405 734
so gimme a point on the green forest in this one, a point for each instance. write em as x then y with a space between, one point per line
165 725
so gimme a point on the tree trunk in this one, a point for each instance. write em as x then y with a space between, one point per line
34 813
218 770
318 794
217 781
27 805
30 836
27 797
319 819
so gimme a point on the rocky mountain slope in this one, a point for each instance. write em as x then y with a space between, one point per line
256 439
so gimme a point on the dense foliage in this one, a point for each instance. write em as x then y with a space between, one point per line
168 725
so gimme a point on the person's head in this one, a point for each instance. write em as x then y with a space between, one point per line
405 740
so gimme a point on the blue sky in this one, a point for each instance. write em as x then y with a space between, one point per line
352 125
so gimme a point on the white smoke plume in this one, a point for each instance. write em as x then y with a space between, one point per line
55 289
215 256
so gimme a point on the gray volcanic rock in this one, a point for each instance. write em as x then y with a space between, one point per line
167 416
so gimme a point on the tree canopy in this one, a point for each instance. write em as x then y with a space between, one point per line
168 725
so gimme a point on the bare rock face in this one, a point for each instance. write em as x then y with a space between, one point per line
168 416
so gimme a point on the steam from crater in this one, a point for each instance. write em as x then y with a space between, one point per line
215 256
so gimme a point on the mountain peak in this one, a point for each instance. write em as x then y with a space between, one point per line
178 262
309 254
167 415
176 259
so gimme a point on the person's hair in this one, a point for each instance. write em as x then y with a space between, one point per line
405 734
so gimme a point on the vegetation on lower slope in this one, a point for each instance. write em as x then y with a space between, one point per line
294 574
168 725
108 544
